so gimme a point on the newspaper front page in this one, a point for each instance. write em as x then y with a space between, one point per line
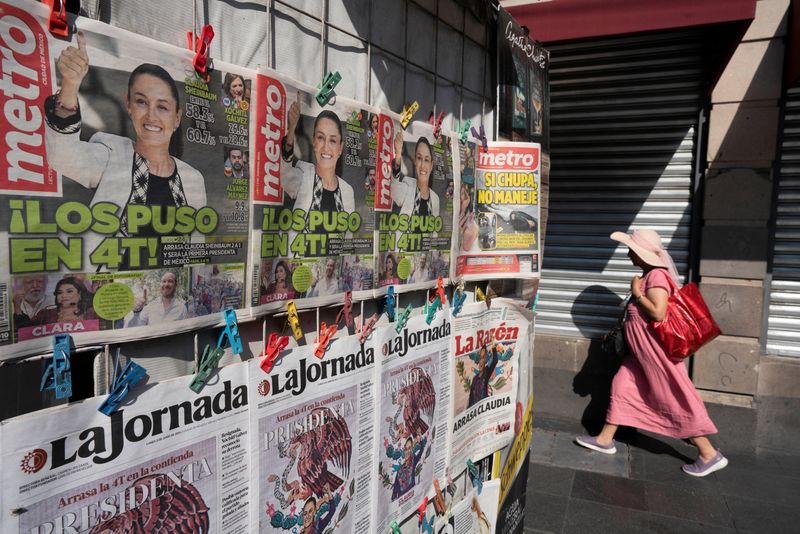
170 461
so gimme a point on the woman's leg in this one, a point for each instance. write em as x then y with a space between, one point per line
606 435
703 444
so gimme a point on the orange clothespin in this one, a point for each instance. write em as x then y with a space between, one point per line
58 25
325 334
347 310
438 499
421 509
275 344
366 328
201 47
439 291
437 124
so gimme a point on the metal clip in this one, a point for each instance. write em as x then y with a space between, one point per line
481 137
472 471
407 113
347 310
431 309
390 300
58 375
293 320
366 328
123 383
329 82
231 331
208 363
275 344
402 319
437 124
463 131
325 334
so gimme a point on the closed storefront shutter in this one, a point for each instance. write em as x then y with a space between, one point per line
783 330
624 114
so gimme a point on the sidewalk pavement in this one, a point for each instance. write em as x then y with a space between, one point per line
642 488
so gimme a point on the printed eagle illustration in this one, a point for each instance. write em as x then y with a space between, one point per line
328 442
415 398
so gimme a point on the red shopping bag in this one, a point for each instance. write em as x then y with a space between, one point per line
688 324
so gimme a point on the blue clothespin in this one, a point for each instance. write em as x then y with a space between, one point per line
329 82
208 363
472 470
231 331
463 131
123 383
481 136
431 309
390 303
395 528
402 319
535 301
58 375
458 300
427 524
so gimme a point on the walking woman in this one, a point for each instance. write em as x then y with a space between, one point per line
651 391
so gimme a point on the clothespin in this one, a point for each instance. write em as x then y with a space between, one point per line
402 319
325 334
480 295
439 291
407 113
437 124
347 310
431 309
123 383
231 331
480 136
294 320
58 25
427 524
366 328
463 131
472 471
395 528
201 46
329 82
458 298
390 303
58 375
208 363
438 499
421 509
275 344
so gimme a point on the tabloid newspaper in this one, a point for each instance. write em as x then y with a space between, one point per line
414 395
474 514
124 184
499 212
486 346
172 462
313 455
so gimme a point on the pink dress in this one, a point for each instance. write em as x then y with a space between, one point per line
651 391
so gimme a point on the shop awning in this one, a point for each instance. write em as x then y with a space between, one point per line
561 20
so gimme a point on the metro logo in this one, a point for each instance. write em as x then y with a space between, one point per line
509 158
383 167
24 85
271 121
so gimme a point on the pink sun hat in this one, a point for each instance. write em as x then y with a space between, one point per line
648 246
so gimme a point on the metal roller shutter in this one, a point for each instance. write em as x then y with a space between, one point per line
624 115
783 327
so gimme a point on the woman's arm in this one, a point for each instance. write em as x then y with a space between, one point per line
653 302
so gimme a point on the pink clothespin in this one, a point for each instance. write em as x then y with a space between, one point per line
325 334
366 328
201 47
437 124
275 344
347 310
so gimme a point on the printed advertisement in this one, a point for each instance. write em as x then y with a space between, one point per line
313 193
174 461
414 397
313 457
500 223
415 226
486 345
124 191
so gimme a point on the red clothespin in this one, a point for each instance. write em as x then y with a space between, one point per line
325 334
422 508
366 328
437 124
438 499
347 310
201 46
58 24
275 344
439 291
